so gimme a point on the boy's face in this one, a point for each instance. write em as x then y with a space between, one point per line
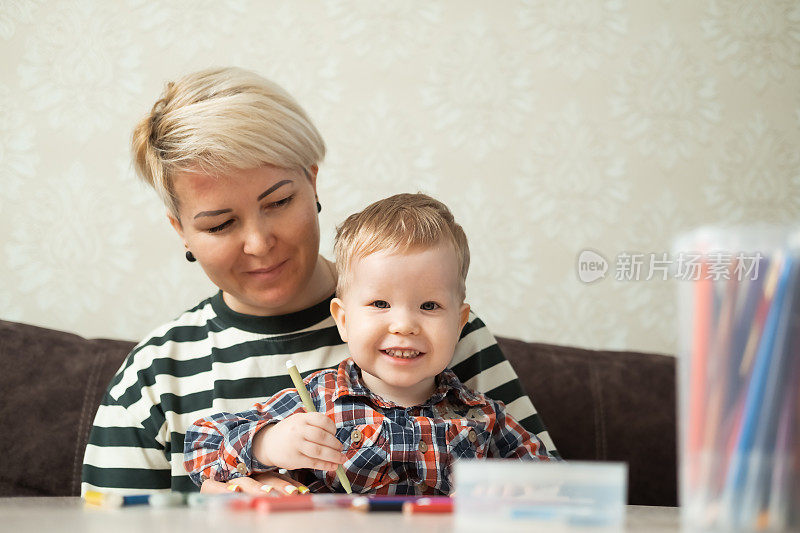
401 317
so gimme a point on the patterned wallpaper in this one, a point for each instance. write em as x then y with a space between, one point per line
548 127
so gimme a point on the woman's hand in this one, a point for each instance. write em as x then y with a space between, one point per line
303 440
258 485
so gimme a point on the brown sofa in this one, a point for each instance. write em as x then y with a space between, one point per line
598 405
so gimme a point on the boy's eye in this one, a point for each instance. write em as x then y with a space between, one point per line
221 227
380 304
429 306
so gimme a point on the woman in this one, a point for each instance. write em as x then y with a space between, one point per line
235 160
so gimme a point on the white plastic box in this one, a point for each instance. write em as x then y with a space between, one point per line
508 495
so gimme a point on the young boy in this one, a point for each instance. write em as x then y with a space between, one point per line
393 414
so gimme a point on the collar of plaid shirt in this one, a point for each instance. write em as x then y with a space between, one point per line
349 383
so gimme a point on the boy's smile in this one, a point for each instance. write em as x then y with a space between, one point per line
401 316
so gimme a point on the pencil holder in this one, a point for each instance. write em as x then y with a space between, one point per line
739 374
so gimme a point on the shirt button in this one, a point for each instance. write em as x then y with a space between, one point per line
203 478
472 436
355 436
422 446
241 468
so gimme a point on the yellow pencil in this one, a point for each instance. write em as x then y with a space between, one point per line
309 405
93 497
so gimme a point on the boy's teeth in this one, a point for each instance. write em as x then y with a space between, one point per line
402 353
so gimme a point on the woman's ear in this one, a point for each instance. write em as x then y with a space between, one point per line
311 174
339 316
176 224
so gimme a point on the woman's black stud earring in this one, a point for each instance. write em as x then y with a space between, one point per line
190 257
319 206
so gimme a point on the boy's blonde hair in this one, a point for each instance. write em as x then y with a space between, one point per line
398 223
221 119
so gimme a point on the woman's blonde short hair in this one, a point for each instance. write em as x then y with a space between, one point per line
221 119
398 224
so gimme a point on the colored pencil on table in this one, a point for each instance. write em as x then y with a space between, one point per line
197 499
429 505
263 504
379 503
114 500
332 501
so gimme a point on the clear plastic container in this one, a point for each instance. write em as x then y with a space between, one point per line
508 496
739 374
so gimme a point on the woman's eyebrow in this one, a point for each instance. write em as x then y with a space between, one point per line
212 213
271 189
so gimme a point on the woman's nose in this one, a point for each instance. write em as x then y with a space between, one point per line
258 240
403 323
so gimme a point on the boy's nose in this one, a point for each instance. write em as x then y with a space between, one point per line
403 323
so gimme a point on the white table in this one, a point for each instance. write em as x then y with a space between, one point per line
70 514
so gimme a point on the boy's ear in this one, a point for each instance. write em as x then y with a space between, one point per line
464 315
339 316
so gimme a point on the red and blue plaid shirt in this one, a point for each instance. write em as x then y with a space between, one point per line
390 449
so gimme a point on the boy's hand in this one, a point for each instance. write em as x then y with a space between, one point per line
303 440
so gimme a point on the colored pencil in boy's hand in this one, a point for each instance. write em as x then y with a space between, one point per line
309 405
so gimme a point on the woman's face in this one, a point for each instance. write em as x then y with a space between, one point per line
255 232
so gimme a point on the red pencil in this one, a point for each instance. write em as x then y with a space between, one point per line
429 505
265 504
703 320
